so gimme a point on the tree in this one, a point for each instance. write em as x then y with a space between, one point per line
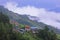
4 18
47 34
6 29
21 26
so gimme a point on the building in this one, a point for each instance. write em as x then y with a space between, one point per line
27 28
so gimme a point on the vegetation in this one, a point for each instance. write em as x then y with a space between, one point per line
6 29
47 34
58 36
4 18
7 33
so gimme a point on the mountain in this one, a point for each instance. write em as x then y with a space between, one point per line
26 19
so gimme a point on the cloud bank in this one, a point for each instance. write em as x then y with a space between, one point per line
48 17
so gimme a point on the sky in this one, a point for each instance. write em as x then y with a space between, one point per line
48 11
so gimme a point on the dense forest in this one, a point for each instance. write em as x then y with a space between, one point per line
7 33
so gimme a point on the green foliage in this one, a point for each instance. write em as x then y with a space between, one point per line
4 18
46 34
29 36
58 36
21 26
6 30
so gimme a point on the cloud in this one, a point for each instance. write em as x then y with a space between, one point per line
50 18
51 5
45 16
21 10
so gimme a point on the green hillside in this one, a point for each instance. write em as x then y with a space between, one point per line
23 19
7 32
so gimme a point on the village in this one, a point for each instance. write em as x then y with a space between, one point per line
24 28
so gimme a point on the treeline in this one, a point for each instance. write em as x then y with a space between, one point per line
47 34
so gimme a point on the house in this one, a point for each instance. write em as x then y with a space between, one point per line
27 28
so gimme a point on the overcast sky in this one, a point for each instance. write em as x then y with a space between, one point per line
48 11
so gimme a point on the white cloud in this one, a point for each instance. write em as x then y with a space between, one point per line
47 17
21 10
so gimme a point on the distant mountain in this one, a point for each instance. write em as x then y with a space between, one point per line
26 19
33 18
